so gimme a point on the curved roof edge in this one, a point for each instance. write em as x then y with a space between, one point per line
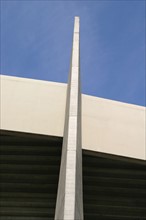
37 106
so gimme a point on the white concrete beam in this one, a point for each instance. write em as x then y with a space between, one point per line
36 106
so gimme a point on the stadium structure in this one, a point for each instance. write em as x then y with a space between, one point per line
69 156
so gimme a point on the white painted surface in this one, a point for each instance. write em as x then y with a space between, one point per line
39 107
113 127
32 105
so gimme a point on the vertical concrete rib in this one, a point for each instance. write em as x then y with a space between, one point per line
69 205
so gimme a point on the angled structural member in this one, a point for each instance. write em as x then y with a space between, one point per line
69 205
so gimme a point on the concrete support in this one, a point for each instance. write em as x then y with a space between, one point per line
69 205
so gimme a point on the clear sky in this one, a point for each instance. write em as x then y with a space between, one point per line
36 41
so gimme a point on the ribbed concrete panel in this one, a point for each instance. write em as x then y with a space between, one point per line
69 199
114 187
29 173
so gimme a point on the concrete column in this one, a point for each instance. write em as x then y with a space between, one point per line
69 205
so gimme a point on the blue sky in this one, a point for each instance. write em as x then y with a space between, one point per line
36 41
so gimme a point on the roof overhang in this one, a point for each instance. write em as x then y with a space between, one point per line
38 107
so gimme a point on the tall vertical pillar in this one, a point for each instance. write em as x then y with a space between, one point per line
69 205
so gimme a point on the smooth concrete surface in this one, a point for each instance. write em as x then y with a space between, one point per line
114 127
36 106
69 205
33 106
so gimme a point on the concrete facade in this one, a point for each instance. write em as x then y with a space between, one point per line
120 127
38 107
32 106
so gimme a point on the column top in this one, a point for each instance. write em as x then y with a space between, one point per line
77 18
76 24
